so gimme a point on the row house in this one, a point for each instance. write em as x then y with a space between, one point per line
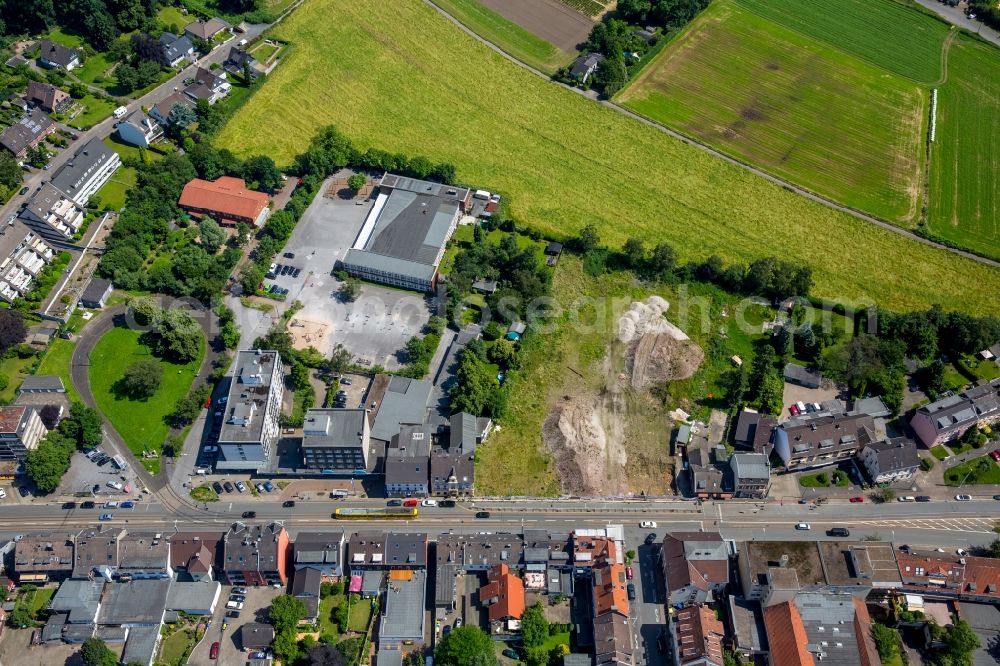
951 417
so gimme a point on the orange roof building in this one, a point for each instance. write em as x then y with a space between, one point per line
786 634
503 594
227 199
699 637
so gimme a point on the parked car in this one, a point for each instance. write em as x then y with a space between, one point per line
906 498
237 597
289 255
213 652
996 497
410 503
239 590
961 552
24 190
630 589
117 485
23 491
838 532
268 486
217 487
296 272
228 486
629 573
88 505
995 455
235 605
793 410
648 524
346 382
3 494
69 505
510 654
249 514
482 514
803 526
429 502
128 504
923 498
259 487
448 504
963 498
650 538
857 500
458 622
240 486
232 614
288 504
111 505
394 502
105 516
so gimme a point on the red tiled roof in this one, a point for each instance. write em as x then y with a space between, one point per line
609 582
968 575
507 592
10 417
863 633
699 635
226 196
787 635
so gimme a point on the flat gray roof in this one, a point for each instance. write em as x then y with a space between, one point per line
42 383
184 596
403 616
244 416
334 428
135 602
78 170
405 401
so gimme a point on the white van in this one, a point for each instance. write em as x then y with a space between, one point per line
906 498
120 112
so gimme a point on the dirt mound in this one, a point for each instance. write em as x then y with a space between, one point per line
575 433
657 351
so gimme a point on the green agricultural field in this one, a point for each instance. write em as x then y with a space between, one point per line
792 105
889 33
965 157
140 422
563 160
506 34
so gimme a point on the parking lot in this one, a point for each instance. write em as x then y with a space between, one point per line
377 325
258 600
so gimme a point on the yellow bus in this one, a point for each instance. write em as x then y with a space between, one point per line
385 513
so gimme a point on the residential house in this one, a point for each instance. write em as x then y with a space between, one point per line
751 475
823 440
612 640
193 554
207 86
41 384
21 429
56 56
52 214
27 133
226 199
405 550
502 595
585 66
695 567
206 30
890 460
796 374
453 471
255 555
176 49
753 431
87 171
47 97
96 551
43 557
322 551
786 635
477 553
18 270
138 129
194 597
144 556
817 627
402 621
697 637
306 587
707 473
240 62
251 425
160 112
407 462
950 417
337 440
944 576
79 600
365 551
256 636
97 292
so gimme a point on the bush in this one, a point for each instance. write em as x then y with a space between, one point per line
926 464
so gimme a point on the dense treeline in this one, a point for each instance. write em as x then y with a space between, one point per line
100 22
986 11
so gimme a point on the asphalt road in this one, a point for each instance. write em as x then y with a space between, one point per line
956 16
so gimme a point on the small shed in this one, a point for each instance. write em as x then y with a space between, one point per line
796 374
553 249
96 294
516 330
486 287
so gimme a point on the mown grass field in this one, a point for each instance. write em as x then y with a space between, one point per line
799 109
563 160
57 362
965 157
139 422
506 34
889 33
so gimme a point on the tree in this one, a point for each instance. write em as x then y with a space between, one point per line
326 655
356 182
663 261
534 632
145 310
250 277
634 252
47 463
177 336
588 239
38 156
20 617
142 379
212 236
340 359
886 641
262 170
12 329
351 649
83 426
180 117
285 612
96 653
10 171
350 289
464 646
230 335
503 353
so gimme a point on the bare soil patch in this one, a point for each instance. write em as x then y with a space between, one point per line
551 20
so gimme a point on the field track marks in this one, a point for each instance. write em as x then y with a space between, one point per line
791 187
945 49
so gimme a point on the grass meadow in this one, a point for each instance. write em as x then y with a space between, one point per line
796 107
140 422
563 160
891 34
506 34
965 157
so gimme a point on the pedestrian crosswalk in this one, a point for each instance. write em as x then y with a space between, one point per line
956 524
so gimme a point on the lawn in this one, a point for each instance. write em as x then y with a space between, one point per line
263 52
939 452
276 7
796 107
976 472
15 369
140 422
825 479
97 109
128 151
113 192
892 34
360 614
59 37
175 647
171 17
94 66
964 197
57 361
40 598
506 34
326 606
563 160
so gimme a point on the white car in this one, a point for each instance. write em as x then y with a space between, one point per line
963 498
117 485
3 494
803 526
429 502
235 605
961 552
648 525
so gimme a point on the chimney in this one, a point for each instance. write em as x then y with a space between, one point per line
783 562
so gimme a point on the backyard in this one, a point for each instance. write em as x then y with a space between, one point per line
96 109
575 175
976 472
15 369
57 362
114 192
142 423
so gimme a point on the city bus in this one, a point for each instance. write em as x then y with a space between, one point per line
384 513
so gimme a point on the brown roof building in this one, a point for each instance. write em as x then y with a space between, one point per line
96 547
227 199
503 594
950 577
194 553
699 636
695 566
256 555
46 96
612 640
786 635
27 133
43 557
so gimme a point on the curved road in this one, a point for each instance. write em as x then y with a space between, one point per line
808 194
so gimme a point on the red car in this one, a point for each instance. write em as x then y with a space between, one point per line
628 572
794 410
857 500
410 502
213 653
995 455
